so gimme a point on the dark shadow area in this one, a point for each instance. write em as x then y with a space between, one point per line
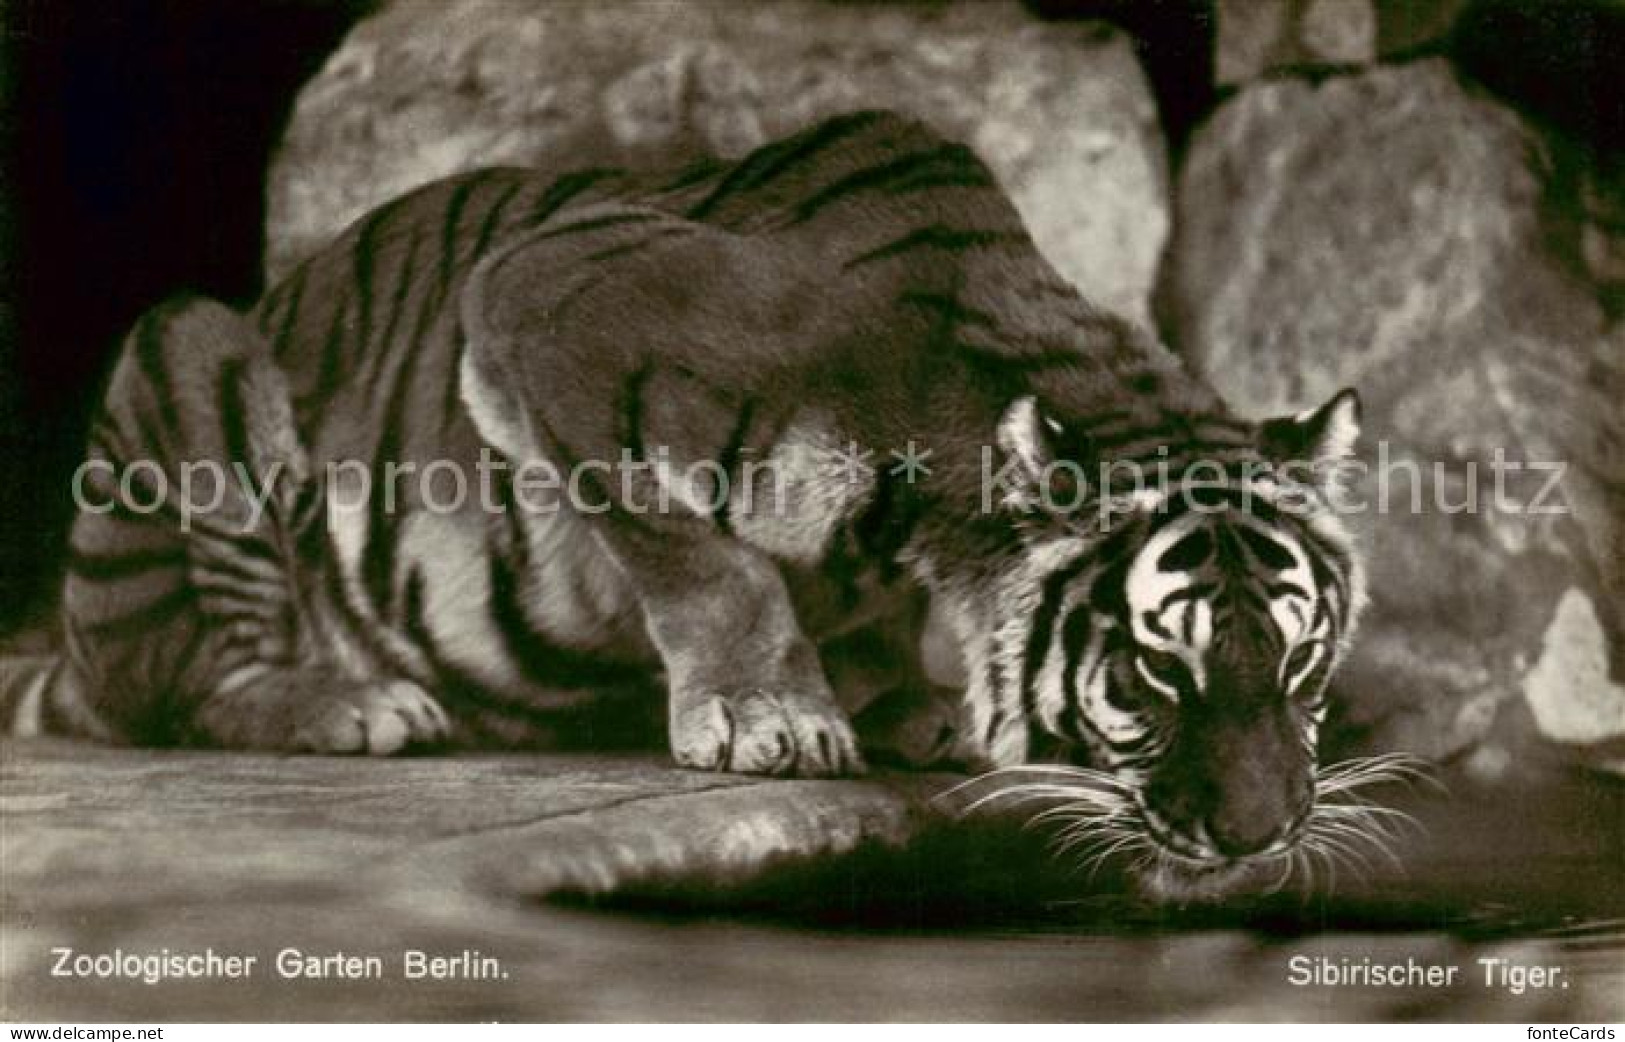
1558 62
1174 41
136 139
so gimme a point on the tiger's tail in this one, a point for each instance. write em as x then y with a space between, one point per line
25 679
39 694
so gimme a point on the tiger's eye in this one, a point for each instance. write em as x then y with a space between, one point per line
1164 671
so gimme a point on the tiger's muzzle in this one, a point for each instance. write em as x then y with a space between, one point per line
1238 781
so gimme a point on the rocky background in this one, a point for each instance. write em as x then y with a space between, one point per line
1380 197
1393 198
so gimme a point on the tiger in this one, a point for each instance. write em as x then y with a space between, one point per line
752 346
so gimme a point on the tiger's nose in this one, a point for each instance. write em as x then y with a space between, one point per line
1237 834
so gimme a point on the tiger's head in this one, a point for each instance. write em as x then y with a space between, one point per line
1177 636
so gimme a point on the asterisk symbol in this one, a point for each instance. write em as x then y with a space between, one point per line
911 462
850 462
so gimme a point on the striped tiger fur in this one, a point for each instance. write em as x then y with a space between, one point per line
855 289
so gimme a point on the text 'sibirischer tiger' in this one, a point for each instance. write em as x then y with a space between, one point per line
674 406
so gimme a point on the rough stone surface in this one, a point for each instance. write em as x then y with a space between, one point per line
1568 688
106 850
425 89
1259 37
1394 232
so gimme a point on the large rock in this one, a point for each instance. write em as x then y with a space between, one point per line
423 90
1395 232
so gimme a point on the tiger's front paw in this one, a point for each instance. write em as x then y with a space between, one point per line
376 719
763 731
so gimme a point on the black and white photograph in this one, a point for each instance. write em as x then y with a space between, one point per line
812 511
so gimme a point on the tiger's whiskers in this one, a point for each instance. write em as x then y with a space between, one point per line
1345 829
1095 811
1096 816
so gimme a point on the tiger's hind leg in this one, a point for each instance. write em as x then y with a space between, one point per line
900 715
191 607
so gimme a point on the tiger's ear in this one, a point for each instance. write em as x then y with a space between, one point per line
1045 460
1318 438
